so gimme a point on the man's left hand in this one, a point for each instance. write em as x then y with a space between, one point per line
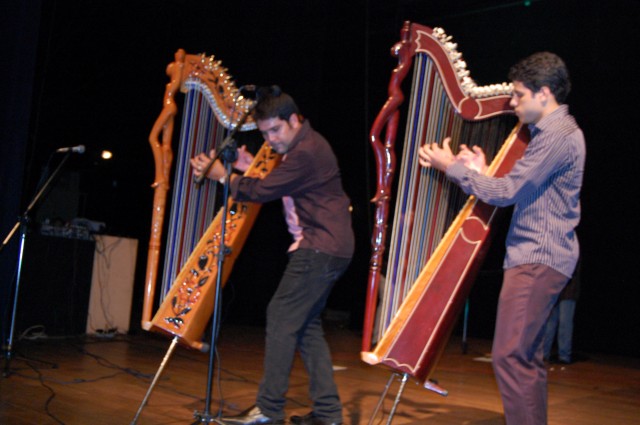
200 163
432 155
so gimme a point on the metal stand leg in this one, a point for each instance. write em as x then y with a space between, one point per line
164 362
382 397
464 327
429 385
9 345
403 381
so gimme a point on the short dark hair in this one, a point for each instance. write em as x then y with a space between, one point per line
543 69
272 103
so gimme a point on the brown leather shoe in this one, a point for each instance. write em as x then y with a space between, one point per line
251 416
310 419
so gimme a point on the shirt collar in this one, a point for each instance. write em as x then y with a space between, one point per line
302 133
548 121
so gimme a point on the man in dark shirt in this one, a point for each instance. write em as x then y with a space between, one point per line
318 217
542 247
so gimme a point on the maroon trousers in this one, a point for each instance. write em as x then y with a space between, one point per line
528 294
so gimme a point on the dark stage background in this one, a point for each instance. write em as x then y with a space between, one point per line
93 72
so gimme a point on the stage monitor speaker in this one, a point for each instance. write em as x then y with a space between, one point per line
55 285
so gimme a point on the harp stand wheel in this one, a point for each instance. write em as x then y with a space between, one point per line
403 382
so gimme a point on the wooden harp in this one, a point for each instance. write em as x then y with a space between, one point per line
212 105
439 236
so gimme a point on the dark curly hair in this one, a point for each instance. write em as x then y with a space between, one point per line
272 103
543 69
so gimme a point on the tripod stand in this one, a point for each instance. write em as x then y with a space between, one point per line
22 225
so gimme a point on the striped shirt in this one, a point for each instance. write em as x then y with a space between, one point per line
544 187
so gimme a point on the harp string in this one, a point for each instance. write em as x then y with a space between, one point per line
427 203
192 207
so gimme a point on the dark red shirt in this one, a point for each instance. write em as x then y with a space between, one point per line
311 177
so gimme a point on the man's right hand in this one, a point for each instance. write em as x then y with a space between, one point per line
473 159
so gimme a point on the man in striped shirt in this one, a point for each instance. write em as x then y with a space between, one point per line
541 246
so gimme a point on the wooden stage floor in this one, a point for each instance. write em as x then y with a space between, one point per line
78 381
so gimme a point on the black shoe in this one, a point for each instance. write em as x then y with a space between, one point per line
251 416
310 419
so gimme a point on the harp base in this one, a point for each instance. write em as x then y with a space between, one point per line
403 382
403 378
369 357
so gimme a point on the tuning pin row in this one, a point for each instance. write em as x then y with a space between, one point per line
455 56
493 90
464 76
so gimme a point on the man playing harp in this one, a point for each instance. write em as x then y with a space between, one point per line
317 213
541 246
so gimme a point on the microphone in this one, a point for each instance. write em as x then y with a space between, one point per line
73 149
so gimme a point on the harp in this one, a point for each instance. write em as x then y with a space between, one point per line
212 105
439 236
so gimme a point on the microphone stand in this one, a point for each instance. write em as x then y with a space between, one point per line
228 153
22 224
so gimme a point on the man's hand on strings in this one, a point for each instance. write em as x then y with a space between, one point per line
432 155
216 172
200 163
473 158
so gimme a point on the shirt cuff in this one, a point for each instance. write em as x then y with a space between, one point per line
456 171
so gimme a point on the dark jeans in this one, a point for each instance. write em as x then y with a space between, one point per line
294 322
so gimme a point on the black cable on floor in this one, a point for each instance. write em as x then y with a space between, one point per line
51 396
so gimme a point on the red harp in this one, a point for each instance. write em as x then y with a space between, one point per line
439 236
